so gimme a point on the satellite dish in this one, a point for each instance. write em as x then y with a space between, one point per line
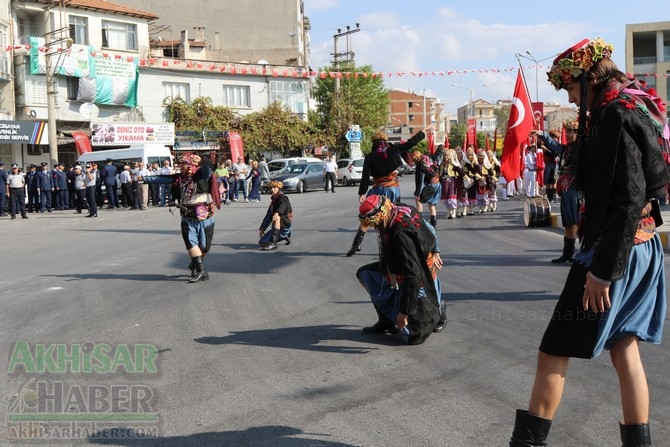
89 111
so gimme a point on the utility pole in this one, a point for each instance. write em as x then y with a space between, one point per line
53 46
349 54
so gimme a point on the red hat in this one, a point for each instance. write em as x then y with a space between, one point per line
577 60
370 206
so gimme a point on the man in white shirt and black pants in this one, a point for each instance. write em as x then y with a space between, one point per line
330 175
16 191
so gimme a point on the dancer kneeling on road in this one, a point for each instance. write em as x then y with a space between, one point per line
280 215
403 284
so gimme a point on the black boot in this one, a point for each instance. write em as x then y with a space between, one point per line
382 326
635 435
442 323
551 194
273 240
200 270
568 251
433 221
191 267
356 246
529 430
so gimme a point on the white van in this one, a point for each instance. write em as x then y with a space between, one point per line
147 153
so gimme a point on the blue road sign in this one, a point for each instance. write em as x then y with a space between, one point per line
354 136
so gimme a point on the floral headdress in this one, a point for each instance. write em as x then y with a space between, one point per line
375 210
577 60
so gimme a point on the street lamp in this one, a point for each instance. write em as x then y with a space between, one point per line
471 104
530 57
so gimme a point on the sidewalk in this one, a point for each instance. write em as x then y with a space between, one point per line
663 230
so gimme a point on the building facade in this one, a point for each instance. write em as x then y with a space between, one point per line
648 55
105 66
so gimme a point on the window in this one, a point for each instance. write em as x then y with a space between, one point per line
410 118
410 104
173 90
236 96
292 94
119 36
79 30
72 88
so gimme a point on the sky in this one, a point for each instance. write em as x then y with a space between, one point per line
475 40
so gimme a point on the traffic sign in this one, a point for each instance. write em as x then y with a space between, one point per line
354 136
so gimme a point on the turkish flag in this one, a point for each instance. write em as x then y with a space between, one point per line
518 127
472 132
81 142
431 142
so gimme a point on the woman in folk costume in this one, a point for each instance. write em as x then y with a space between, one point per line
452 181
495 167
197 211
617 281
381 164
483 184
473 171
427 178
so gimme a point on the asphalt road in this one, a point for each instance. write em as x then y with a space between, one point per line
270 352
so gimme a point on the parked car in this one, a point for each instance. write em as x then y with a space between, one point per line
349 171
276 165
299 177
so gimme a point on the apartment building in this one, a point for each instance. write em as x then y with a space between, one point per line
410 113
648 55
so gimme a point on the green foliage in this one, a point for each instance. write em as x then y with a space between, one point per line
361 100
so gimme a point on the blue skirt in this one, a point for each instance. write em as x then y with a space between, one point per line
638 306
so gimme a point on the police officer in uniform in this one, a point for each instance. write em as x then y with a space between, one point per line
45 187
33 194
16 191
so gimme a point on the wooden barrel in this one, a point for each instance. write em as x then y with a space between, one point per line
537 212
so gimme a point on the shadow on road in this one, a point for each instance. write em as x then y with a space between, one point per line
271 435
308 338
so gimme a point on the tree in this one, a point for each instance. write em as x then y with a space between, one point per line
361 99
275 128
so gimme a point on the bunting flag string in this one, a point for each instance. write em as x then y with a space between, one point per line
232 68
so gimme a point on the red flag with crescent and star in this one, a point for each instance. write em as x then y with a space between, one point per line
520 124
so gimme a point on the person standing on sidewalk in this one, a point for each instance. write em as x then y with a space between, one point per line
330 175
617 281
16 191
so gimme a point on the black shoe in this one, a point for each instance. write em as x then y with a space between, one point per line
13 217
24 217
199 277
288 239
352 250
381 327
442 323
562 259
269 247
92 215
191 267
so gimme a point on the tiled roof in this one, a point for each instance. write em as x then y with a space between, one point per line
103 5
